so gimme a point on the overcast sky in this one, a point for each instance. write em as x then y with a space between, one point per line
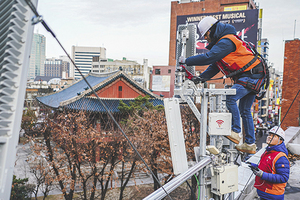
138 29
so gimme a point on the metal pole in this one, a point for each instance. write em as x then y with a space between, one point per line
177 181
203 130
294 28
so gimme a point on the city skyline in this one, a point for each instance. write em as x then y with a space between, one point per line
141 30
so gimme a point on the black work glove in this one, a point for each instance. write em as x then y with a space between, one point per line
252 165
256 171
198 79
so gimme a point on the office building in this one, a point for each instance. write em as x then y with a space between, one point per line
83 57
37 56
57 68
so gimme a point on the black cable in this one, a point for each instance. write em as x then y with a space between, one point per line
32 7
192 190
272 137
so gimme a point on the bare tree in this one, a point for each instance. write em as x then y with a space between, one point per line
150 136
129 161
84 159
41 172
79 156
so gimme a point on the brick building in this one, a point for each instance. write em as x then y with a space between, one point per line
162 81
208 6
291 83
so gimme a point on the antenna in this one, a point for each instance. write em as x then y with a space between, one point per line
294 28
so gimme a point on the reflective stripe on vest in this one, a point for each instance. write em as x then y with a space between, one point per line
237 59
267 164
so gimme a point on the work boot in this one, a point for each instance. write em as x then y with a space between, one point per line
251 149
234 137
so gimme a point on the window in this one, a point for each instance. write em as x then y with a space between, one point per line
157 71
95 58
169 71
120 88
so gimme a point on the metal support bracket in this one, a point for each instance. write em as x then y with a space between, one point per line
190 90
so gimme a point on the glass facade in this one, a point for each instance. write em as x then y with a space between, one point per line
37 56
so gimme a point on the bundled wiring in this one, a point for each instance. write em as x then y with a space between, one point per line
38 18
191 189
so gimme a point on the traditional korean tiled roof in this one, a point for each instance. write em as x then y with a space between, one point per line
53 100
77 95
92 104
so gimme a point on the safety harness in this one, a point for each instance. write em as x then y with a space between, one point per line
261 68
262 84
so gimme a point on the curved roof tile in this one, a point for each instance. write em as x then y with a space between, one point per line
92 104
53 100
80 90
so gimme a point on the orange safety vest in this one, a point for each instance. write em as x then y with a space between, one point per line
237 59
267 164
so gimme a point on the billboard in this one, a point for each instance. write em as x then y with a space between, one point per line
161 83
244 21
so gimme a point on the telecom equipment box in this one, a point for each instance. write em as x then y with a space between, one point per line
219 124
225 179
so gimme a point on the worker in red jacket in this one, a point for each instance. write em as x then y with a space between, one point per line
273 170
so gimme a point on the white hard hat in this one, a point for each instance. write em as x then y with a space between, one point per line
280 131
205 24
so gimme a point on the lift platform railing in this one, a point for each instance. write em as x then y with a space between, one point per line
177 181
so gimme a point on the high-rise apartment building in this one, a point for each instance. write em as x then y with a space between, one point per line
37 56
83 58
57 68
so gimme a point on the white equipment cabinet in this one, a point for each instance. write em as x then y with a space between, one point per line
225 179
